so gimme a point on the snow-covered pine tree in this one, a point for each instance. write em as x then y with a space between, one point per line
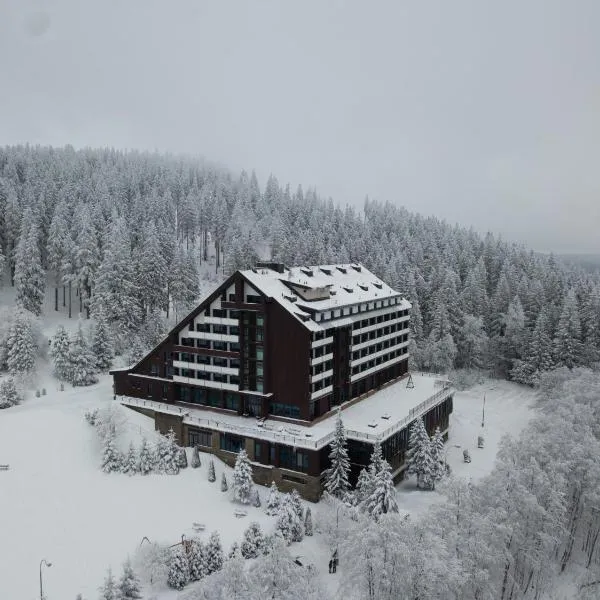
253 541
289 524
224 486
420 462
9 395
308 526
61 354
109 590
167 454
567 342
21 347
234 550
129 584
242 478
336 476
131 464
273 501
382 499
112 461
30 281
147 458
195 463
101 345
82 361
211 471
296 501
214 553
179 569
196 560
256 502
363 487
437 456
182 461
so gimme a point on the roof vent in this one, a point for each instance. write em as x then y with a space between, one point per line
325 270
357 268
307 271
342 270
363 287
348 289
378 285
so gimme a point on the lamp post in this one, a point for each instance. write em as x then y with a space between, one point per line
42 563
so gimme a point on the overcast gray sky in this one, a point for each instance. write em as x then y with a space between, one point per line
483 115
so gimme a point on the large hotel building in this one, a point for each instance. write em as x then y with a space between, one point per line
264 362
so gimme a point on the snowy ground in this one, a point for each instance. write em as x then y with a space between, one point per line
56 504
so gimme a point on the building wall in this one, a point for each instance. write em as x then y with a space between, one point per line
287 359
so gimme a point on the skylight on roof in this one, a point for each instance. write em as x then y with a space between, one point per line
307 271
363 286
357 268
378 284
325 270
348 289
342 269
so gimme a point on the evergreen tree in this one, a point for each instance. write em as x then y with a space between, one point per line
58 245
437 456
336 476
211 471
9 395
20 346
101 347
131 465
382 499
29 275
242 478
182 461
224 486
87 257
308 526
296 501
253 541
179 569
234 551
214 553
256 502
108 591
60 353
167 454
196 560
273 501
82 362
115 291
129 585
419 459
364 486
195 458
289 524
147 458
112 461
567 343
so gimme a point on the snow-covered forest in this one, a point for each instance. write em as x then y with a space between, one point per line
127 233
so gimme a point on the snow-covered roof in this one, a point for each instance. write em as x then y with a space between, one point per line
317 295
376 417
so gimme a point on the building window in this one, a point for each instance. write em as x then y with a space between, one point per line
257 450
234 346
196 437
232 401
214 398
284 410
259 353
154 369
231 443
297 461
219 345
252 299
